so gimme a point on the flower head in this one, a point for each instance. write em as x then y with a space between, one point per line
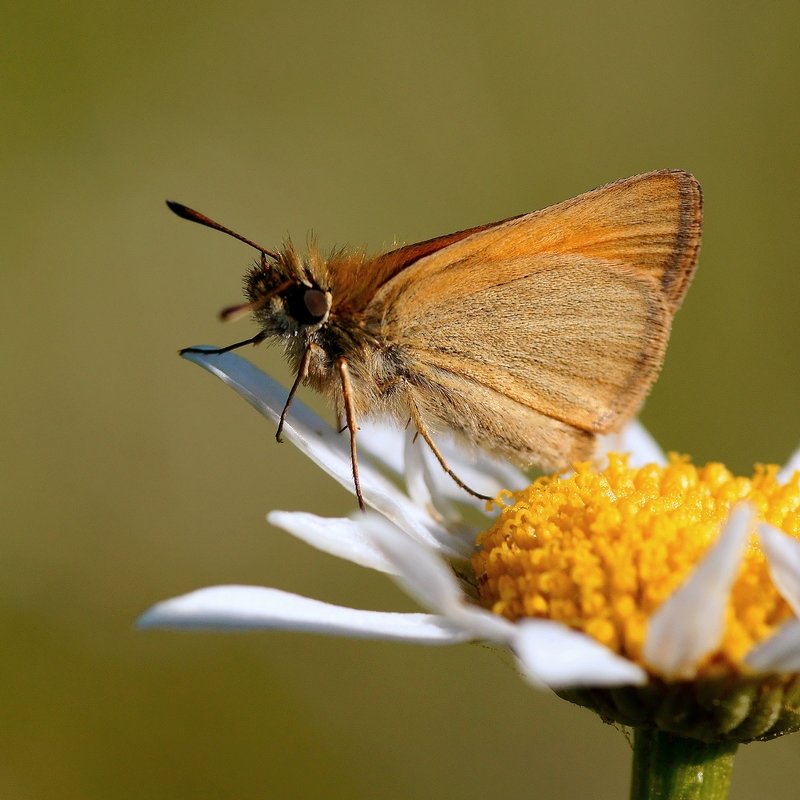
618 588
602 551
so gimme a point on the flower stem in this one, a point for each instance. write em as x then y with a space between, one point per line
670 767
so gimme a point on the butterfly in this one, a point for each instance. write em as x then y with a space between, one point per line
528 337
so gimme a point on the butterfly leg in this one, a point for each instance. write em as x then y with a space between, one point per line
259 337
302 374
350 416
423 432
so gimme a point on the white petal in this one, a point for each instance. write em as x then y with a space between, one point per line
550 654
475 467
257 607
781 653
480 623
324 446
504 475
783 557
636 440
429 580
303 427
382 441
791 466
426 578
340 537
414 471
424 484
690 623
479 470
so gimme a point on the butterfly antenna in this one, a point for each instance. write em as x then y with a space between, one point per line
195 216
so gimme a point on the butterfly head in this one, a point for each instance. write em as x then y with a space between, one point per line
287 295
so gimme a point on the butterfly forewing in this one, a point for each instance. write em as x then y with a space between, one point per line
564 312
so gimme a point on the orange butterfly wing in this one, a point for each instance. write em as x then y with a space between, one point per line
560 314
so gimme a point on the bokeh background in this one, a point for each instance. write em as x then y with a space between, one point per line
130 476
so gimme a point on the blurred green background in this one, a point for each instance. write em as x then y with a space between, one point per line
130 476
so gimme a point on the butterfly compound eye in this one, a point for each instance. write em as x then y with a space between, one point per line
309 306
316 303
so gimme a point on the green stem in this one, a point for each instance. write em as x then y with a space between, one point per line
669 767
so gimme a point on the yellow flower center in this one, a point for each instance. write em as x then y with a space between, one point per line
601 551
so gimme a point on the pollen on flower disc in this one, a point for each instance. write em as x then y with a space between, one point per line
600 552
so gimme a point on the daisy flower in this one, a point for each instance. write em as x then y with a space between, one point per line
662 595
